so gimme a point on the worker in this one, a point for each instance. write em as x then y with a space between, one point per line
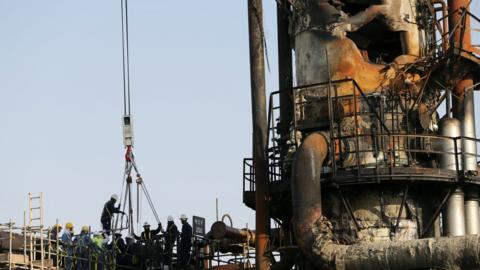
147 252
99 241
54 232
118 247
185 243
131 252
83 244
171 236
54 239
107 214
67 243
147 234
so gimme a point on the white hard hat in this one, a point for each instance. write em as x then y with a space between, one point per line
146 224
115 197
183 217
170 218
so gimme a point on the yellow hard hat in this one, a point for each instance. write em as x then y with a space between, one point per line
58 226
69 226
85 228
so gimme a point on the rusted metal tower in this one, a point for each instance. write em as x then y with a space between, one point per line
368 159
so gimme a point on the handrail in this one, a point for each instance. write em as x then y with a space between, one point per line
389 141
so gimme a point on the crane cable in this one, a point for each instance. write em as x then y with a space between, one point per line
129 157
125 58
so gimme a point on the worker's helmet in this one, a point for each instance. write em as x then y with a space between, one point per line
85 229
114 197
146 224
170 218
69 226
183 217
57 226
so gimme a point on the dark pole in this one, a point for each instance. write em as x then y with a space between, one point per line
461 39
259 119
285 74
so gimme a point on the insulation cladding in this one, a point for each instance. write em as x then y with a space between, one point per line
365 171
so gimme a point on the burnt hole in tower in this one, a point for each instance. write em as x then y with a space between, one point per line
376 41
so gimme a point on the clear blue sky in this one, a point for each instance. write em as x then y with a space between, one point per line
61 105
61 85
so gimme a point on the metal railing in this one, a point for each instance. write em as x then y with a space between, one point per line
321 108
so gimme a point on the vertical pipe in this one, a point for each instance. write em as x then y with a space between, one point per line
460 40
455 16
42 248
307 193
454 215
463 103
10 225
57 247
448 97
472 219
444 21
259 119
205 251
285 73
49 243
449 159
469 146
24 236
216 206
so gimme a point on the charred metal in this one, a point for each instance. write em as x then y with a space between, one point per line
374 144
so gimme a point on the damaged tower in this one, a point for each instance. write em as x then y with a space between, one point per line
366 157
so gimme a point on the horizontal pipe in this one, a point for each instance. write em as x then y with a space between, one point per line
441 253
315 236
220 230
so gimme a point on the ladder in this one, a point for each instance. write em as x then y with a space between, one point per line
35 224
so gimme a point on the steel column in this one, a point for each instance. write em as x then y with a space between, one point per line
259 119
285 74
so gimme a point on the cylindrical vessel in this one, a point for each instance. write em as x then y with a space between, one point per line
469 146
450 147
454 214
472 218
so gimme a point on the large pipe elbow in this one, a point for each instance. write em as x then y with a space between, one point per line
306 190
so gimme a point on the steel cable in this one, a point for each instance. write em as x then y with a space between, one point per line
123 62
